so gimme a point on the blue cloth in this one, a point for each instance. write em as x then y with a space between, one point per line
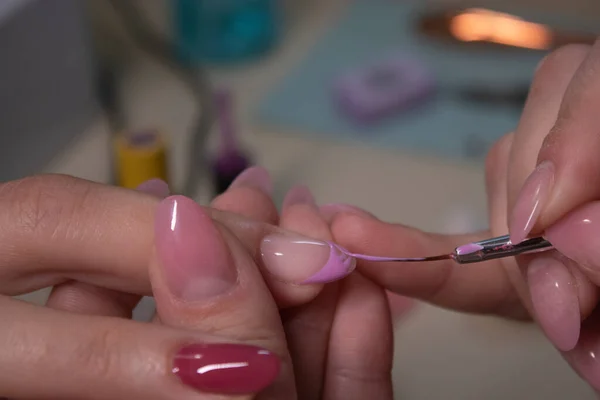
374 29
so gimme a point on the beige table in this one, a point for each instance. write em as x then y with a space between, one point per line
439 355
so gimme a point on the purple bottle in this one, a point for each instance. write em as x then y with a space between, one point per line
230 160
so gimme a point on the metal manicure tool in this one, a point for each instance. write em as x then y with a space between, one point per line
485 250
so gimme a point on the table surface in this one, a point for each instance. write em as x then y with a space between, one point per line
439 354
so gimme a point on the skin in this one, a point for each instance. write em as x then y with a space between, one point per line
559 124
94 244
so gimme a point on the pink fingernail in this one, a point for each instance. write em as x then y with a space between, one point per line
300 260
298 195
329 211
555 301
577 236
531 201
255 177
155 187
584 357
194 258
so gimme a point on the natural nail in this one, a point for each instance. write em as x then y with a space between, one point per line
226 369
301 260
194 258
298 195
254 177
555 301
532 199
156 187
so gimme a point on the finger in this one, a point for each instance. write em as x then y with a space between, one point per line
359 361
583 358
480 288
203 279
307 325
250 195
56 228
84 298
560 295
399 305
554 88
49 354
300 214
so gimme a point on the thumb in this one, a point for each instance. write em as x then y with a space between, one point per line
478 288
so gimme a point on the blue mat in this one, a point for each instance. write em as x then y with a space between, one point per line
374 29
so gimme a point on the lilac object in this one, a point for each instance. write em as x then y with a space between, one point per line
382 89
468 249
339 265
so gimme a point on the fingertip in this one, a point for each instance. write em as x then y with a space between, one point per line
299 194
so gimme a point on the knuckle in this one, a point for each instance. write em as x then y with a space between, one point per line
557 69
44 205
571 56
100 356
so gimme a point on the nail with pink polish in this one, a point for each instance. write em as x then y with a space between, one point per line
532 199
155 187
576 236
555 301
299 260
254 177
194 259
298 195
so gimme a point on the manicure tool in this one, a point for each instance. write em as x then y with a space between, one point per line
485 250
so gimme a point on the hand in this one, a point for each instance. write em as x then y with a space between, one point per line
332 357
542 179
94 244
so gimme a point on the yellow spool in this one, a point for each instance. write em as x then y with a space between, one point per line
140 156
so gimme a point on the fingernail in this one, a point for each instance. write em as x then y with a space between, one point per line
584 357
329 211
254 177
298 195
576 236
194 258
155 187
555 301
226 369
531 200
301 260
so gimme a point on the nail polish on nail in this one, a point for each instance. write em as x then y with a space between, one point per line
226 369
299 260
195 261
584 357
531 201
298 195
576 237
255 177
555 301
155 187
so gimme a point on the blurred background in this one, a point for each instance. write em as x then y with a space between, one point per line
382 104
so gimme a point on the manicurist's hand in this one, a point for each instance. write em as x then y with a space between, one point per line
543 179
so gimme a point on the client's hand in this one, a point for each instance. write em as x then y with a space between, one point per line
218 330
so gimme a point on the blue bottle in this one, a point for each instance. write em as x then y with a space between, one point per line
225 31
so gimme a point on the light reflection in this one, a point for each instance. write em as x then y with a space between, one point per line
486 25
174 217
587 221
212 367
